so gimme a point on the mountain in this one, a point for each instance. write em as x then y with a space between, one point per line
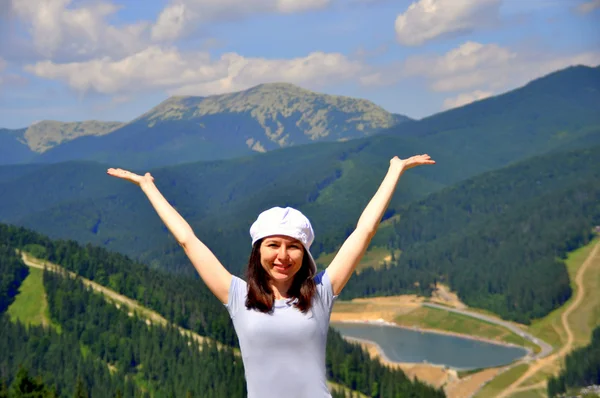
331 182
25 145
48 134
189 129
13 148
548 113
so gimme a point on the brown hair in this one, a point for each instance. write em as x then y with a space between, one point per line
260 294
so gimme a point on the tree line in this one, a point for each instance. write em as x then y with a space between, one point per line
581 368
498 240
102 344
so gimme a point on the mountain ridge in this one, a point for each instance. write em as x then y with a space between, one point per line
188 128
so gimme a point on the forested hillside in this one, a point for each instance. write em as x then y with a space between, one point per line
100 342
498 239
330 182
548 112
581 369
12 273
480 235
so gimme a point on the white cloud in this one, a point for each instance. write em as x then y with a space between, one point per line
195 73
171 22
589 6
485 69
291 6
466 98
462 68
315 70
181 16
428 19
77 32
9 79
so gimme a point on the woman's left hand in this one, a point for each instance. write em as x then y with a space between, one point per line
413 161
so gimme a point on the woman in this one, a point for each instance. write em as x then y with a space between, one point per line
281 315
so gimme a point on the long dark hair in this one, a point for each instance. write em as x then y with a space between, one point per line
260 293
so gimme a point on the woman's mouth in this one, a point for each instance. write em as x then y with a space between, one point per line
281 267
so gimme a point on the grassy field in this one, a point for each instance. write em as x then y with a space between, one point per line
586 316
377 254
499 383
581 321
534 393
375 257
30 306
541 375
433 318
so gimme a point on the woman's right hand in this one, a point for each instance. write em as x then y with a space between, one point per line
131 177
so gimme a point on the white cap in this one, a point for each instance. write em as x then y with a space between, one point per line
288 222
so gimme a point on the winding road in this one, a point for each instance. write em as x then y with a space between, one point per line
545 348
567 347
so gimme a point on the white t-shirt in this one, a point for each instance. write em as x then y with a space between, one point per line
283 351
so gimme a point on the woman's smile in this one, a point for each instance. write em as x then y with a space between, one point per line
281 256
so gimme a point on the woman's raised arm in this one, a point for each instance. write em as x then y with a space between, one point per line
212 272
343 265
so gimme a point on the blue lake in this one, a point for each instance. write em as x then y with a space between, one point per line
406 345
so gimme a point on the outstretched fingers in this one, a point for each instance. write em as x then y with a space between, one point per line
119 172
425 159
418 160
125 174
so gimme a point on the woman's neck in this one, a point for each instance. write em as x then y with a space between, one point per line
281 289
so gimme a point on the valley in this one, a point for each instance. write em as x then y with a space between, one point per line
498 244
567 327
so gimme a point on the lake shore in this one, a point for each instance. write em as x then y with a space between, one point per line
436 375
383 322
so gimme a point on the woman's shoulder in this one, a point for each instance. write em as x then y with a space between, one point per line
321 277
324 287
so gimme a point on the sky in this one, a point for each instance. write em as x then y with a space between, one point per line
113 60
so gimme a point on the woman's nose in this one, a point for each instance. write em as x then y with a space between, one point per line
282 253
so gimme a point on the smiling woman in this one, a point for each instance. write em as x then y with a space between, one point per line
279 264
281 314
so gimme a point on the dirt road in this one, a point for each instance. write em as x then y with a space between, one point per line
567 347
132 305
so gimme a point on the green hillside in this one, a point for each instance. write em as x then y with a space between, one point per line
332 182
111 351
581 369
547 113
31 305
498 239
12 273
13 148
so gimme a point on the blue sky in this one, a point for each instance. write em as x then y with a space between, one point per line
73 60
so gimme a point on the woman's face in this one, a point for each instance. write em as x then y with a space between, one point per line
281 257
